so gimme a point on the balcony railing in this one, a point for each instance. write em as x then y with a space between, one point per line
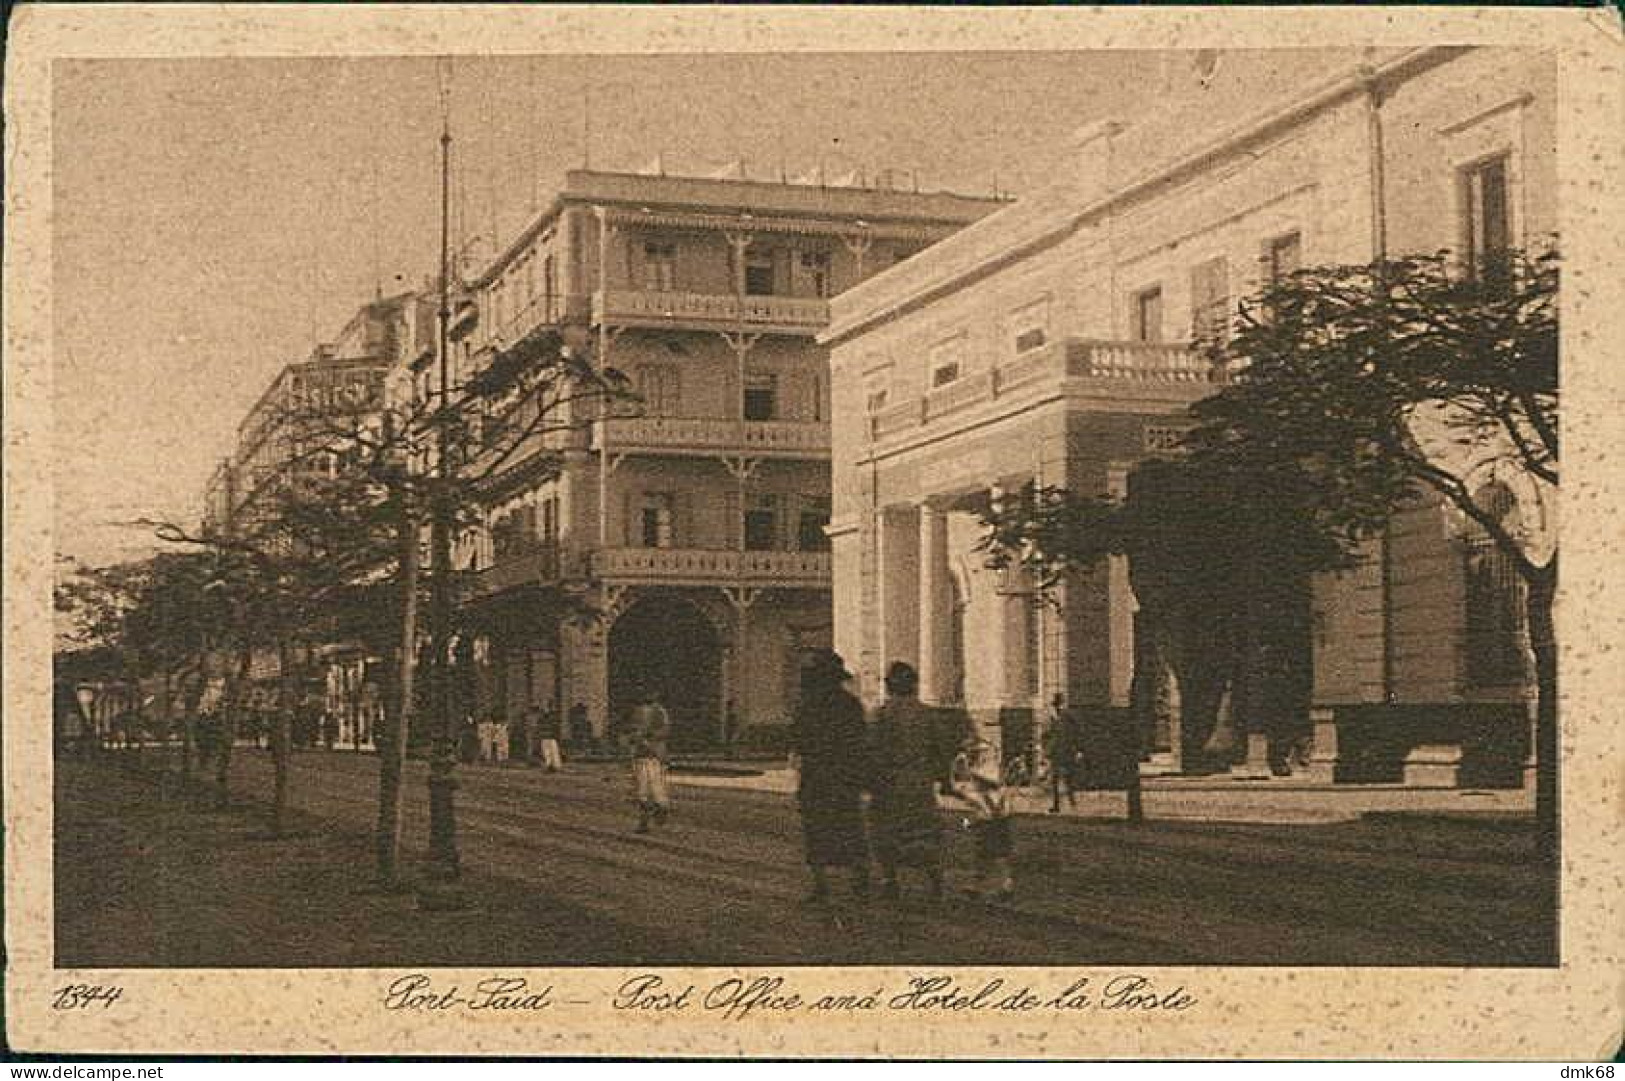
539 565
1144 362
801 315
709 566
1153 370
769 438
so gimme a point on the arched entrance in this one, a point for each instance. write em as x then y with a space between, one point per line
666 645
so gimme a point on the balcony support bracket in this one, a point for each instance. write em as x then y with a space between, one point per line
740 467
740 342
741 598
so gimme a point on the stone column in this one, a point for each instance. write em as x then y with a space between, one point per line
899 574
935 601
586 671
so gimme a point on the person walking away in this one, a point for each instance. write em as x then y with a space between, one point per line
580 728
651 729
829 738
1061 748
978 784
547 739
908 768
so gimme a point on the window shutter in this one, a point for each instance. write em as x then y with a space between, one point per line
733 532
632 530
682 526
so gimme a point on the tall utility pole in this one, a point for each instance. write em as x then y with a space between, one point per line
444 865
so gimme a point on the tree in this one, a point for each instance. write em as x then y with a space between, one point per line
1353 391
156 617
1219 565
335 533
1370 386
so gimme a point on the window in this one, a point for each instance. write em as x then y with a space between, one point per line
654 521
660 388
1029 325
945 361
1032 628
550 519
1148 315
810 536
659 266
759 274
1283 256
1487 230
550 286
761 523
1029 340
761 396
1493 619
1210 300
815 273
875 401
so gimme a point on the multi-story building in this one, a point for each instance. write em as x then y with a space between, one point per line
293 427
693 524
1049 341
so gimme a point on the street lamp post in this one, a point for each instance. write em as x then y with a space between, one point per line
444 864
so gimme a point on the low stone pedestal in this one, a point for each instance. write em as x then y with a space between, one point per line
1323 757
1433 765
1257 765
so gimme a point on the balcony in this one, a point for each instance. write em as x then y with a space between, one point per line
698 436
712 311
1099 374
546 311
536 566
713 567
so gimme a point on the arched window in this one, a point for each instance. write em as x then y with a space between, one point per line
1494 616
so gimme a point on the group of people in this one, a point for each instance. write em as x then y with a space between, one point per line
537 738
908 756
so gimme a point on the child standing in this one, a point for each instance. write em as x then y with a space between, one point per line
977 782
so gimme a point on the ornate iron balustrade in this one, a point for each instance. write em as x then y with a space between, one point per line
799 314
712 566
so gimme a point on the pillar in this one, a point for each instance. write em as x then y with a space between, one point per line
586 669
899 574
935 607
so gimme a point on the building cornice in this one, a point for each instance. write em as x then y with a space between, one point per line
913 283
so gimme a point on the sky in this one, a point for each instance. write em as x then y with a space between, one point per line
215 218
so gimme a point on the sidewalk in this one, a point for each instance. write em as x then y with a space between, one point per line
1206 799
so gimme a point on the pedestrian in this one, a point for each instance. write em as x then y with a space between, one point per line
580 728
978 784
909 765
830 741
471 741
499 741
546 727
1061 748
651 728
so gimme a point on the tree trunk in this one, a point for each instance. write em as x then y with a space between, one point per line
1542 593
392 750
191 696
280 737
228 726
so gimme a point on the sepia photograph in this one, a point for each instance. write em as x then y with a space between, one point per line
900 511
